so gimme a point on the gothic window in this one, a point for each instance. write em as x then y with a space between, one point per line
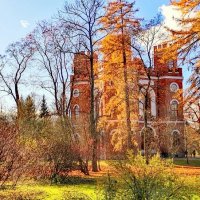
149 106
174 108
76 111
174 87
75 93
176 139
151 102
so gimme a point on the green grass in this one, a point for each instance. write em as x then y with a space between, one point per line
44 191
49 192
74 186
57 192
183 162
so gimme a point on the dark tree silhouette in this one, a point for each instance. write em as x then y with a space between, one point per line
44 112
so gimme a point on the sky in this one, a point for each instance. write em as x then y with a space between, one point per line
20 17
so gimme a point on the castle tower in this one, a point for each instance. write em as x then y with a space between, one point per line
167 83
80 91
165 109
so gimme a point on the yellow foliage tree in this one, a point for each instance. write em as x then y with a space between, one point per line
118 21
186 43
186 39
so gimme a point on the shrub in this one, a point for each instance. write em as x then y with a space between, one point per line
154 181
53 149
13 162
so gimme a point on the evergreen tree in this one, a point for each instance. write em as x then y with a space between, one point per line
44 109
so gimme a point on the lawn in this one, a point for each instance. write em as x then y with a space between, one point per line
84 186
183 162
49 192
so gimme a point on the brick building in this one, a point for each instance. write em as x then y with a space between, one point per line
165 118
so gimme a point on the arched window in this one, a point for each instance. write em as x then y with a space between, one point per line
147 138
76 111
174 108
75 93
151 102
175 139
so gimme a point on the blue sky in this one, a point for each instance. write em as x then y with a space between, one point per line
19 17
32 11
14 14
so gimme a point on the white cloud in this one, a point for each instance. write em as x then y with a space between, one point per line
24 23
171 14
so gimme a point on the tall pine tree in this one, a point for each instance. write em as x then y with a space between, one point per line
44 109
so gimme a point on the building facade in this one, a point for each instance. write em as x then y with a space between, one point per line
165 111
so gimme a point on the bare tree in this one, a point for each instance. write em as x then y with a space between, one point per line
143 47
53 56
13 67
83 17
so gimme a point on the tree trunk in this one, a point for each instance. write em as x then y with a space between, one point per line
146 150
127 102
146 134
94 155
92 115
126 86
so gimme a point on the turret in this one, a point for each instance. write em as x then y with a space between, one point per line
161 65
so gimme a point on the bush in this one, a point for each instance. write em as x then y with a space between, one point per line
53 149
12 159
154 181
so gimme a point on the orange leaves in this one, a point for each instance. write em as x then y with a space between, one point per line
186 39
188 42
119 15
186 5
